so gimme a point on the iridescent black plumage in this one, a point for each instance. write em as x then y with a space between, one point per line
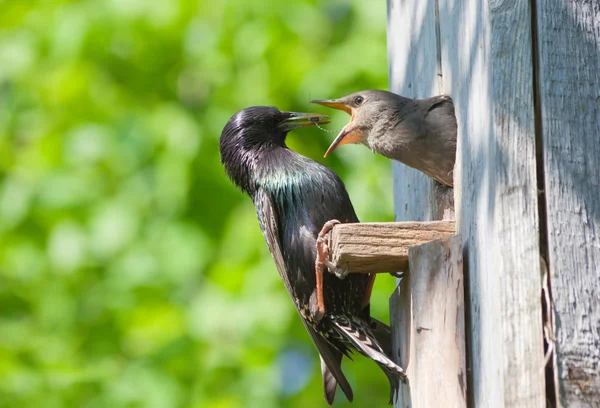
294 196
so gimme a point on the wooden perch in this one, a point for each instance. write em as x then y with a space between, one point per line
382 246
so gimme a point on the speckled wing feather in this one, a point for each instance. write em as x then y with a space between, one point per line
331 358
383 335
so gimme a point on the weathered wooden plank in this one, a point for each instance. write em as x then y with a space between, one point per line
569 95
427 313
401 323
382 246
487 63
415 73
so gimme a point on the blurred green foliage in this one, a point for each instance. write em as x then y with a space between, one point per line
132 273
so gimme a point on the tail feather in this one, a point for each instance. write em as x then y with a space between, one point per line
383 335
331 368
330 379
363 339
329 382
394 384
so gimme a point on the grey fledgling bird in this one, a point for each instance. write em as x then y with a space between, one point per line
420 133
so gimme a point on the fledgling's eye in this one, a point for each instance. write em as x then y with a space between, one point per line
358 100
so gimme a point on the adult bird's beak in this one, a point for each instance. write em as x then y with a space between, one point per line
299 119
350 133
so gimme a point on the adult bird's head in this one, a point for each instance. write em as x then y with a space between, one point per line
254 131
366 108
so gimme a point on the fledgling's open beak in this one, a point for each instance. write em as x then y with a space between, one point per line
350 133
300 119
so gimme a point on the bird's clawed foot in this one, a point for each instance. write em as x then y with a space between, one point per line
321 262
339 272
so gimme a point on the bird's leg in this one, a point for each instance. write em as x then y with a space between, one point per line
320 312
320 263
370 283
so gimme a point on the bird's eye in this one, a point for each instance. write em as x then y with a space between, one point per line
358 100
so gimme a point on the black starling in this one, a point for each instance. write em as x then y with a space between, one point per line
420 133
294 197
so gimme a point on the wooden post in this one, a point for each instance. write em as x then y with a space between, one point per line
428 311
568 52
481 54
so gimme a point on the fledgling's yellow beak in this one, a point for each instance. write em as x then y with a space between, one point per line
334 103
350 133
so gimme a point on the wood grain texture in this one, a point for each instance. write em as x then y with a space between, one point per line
382 246
411 33
486 66
401 323
487 57
427 313
569 84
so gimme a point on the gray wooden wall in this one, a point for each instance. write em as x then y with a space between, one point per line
525 79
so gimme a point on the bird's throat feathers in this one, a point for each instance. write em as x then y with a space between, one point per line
271 166
240 165
281 170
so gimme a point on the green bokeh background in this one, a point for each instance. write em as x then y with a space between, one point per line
132 273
